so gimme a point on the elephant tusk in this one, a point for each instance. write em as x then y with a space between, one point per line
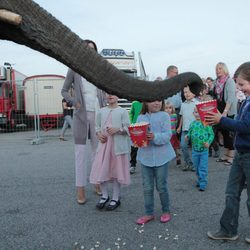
10 17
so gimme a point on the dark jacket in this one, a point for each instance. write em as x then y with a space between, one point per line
241 127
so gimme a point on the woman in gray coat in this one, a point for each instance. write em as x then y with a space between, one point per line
88 99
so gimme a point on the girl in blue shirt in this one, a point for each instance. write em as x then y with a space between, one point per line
154 159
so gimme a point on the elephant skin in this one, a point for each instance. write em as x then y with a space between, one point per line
41 31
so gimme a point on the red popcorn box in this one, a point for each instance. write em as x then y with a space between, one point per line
204 107
138 134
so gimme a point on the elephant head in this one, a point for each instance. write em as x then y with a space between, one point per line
39 30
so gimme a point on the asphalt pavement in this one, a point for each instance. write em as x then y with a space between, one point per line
38 209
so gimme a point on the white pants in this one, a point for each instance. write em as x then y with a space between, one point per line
83 155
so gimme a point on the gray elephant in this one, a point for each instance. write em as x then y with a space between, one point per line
25 22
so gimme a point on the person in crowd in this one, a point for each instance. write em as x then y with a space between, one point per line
133 115
201 137
68 114
240 170
111 163
88 99
169 108
210 84
225 94
187 117
154 159
214 145
176 99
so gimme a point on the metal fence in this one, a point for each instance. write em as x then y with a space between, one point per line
34 104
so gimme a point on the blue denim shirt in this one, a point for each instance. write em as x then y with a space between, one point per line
159 151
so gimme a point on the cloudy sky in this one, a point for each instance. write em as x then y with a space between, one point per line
194 34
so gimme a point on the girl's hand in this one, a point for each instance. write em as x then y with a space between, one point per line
112 131
178 130
206 145
101 137
150 136
213 118
186 138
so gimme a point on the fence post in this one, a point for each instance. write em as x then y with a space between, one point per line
38 139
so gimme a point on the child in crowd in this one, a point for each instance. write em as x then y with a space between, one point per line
154 159
169 108
187 117
201 137
111 163
240 170
133 115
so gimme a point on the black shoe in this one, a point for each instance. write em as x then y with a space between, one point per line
221 236
201 189
101 205
113 207
247 239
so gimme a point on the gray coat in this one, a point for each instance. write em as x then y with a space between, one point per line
80 129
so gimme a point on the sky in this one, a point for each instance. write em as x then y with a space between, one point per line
194 35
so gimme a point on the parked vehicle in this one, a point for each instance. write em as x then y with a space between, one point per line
127 62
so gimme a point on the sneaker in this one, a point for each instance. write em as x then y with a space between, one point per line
247 240
221 236
132 170
192 169
185 167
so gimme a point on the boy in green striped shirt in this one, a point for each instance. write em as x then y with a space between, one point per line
201 137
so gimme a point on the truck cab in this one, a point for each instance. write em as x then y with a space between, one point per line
129 63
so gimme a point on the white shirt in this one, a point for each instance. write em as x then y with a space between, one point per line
90 95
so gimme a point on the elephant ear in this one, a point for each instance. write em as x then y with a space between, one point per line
40 31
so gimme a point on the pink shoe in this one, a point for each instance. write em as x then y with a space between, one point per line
165 218
145 219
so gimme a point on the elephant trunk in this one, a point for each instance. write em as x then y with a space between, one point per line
40 31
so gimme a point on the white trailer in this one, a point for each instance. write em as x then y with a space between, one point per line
42 98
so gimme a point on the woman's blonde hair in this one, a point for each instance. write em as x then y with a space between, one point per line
224 66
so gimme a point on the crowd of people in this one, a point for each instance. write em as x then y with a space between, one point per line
175 131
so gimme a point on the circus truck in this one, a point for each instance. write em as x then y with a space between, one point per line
25 99
128 62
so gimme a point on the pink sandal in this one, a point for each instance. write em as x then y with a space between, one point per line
165 218
145 219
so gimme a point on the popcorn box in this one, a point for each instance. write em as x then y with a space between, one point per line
204 107
138 134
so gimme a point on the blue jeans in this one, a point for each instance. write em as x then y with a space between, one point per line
184 148
200 161
159 176
240 172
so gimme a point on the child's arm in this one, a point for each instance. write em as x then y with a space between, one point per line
101 137
165 135
210 133
178 130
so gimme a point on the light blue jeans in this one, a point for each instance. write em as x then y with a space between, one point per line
185 149
200 161
239 174
159 176
67 122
